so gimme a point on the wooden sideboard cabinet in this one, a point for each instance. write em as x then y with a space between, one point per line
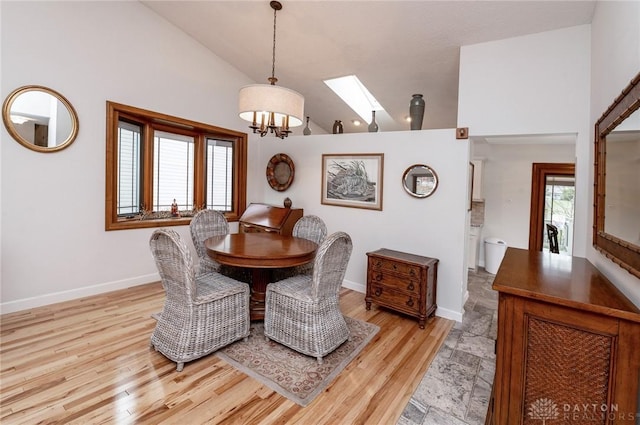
402 282
568 346
269 218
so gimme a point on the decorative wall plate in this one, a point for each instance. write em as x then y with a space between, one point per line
280 172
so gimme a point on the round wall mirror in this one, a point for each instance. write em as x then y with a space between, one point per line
40 118
420 180
280 172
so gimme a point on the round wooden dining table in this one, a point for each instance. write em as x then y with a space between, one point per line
260 252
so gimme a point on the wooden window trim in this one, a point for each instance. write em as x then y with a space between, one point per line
115 111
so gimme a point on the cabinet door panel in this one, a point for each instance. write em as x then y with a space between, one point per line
562 360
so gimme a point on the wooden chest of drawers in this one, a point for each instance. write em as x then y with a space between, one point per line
269 218
402 282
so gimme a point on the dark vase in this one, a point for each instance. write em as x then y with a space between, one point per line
373 127
416 111
337 127
307 130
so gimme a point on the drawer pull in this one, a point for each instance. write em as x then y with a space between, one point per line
411 287
378 277
412 272
378 292
410 302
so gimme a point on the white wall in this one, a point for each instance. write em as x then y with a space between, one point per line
535 85
434 226
563 88
507 187
54 246
615 60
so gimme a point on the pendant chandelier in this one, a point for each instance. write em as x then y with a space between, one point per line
268 107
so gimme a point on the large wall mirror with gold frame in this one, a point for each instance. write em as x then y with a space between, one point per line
616 219
40 118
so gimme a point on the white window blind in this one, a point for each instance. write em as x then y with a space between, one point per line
128 168
219 174
172 171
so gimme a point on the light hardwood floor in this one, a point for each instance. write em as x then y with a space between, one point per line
88 361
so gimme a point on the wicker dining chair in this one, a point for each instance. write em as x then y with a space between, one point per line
201 313
303 311
309 227
205 224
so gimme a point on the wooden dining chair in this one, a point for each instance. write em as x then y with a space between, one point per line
303 311
552 234
201 313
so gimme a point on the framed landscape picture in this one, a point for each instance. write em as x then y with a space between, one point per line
352 180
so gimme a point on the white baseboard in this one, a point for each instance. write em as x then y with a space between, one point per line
57 297
72 294
449 314
358 287
440 312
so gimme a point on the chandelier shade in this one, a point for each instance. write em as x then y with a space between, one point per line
257 101
270 108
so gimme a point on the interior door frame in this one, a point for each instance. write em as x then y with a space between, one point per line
539 174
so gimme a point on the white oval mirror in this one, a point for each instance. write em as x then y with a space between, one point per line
40 119
420 180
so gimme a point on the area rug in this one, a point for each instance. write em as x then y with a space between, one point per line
295 376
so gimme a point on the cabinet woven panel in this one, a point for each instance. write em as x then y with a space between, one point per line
565 367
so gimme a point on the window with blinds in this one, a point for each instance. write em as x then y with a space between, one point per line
219 183
173 156
154 161
128 168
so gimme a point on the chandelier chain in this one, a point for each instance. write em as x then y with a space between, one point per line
273 57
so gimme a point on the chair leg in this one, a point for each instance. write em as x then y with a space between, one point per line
319 359
180 366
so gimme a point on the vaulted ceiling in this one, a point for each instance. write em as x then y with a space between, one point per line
396 48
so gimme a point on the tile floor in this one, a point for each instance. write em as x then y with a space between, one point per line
457 386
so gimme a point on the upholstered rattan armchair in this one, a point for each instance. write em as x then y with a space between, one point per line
309 227
201 313
205 224
303 311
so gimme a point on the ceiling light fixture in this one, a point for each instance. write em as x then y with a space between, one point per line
277 108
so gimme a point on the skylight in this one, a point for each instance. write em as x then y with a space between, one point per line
355 94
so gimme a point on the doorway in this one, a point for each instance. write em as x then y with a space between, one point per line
552 202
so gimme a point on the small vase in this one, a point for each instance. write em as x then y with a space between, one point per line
287 203
307 130
373 127
337 127
416 111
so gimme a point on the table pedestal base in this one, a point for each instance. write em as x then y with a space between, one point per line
259 282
